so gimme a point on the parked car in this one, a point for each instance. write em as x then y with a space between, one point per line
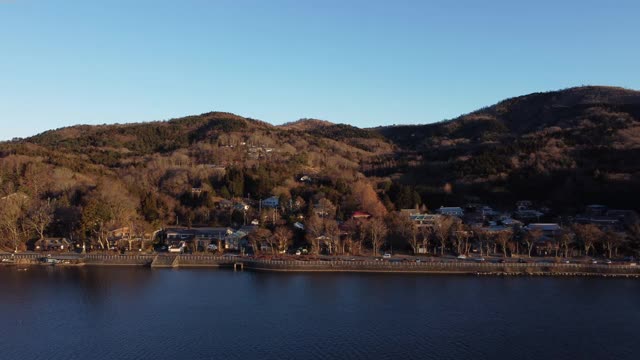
462 257
480 259
386 256
608 261
212 247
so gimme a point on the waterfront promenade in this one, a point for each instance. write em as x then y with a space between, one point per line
365 265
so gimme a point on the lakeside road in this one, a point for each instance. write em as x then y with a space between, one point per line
430 265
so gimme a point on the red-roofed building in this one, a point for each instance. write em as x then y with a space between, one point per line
360 215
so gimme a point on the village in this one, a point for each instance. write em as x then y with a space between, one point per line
272 229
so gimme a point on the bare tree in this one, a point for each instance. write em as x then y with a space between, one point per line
39 216
258 237
425 232
325 209
565 240
484 239
283 236
352 236
503 238
314 231
412 232
611 241
442 230
588 235
376 231
530 238
12 212
332 234
460 235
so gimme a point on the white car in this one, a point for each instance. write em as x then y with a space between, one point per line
462 257
386 256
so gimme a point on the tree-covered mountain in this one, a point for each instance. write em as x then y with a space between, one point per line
563 148
567 148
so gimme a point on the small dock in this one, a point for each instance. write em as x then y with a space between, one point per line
165 261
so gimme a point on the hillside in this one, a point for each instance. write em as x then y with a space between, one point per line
567 147
562 149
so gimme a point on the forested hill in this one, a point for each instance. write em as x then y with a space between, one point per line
569 147
563 148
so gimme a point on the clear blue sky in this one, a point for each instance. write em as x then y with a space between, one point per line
365 63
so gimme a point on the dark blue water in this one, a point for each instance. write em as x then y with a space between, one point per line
133 313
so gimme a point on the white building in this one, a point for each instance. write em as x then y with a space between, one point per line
451 211
271 202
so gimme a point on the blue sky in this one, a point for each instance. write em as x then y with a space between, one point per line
365 63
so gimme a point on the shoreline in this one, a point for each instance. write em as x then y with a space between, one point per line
323 266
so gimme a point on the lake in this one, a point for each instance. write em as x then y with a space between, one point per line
140 313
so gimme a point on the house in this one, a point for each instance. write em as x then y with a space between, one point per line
523 205
596 210
425 220
527 214
360 215
487 211
241 206
199 237
237 240
450 211
225 204
548 229
52 244
272 202
119 233
409 211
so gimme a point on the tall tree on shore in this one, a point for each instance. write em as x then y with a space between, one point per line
314 230
611 241
425 234
258 237
352 241
283 236
530 238
39 216
442 230
564 240
588 235
376 231
485 240
460 233
503 238
12 213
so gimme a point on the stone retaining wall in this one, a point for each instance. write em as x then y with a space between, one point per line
454 267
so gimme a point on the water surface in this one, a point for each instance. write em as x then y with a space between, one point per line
138 313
